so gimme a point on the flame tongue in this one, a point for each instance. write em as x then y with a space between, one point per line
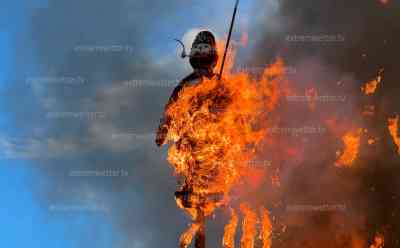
351 141
370 87
187 237
379 241
248 227
266 228
393 126
230 231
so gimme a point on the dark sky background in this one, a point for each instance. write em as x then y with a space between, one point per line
140 205
371 37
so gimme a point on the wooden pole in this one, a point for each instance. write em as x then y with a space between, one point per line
200 239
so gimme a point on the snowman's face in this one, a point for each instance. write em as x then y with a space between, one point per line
201 50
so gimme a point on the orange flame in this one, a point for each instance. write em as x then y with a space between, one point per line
230 231
393 126
370 87
248 226
371 141
187 237
351 141
379 241
266 229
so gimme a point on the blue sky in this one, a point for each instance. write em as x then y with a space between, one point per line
26 222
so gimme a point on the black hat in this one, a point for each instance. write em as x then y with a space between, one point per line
204 51
204 37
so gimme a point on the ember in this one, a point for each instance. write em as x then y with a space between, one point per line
371 86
